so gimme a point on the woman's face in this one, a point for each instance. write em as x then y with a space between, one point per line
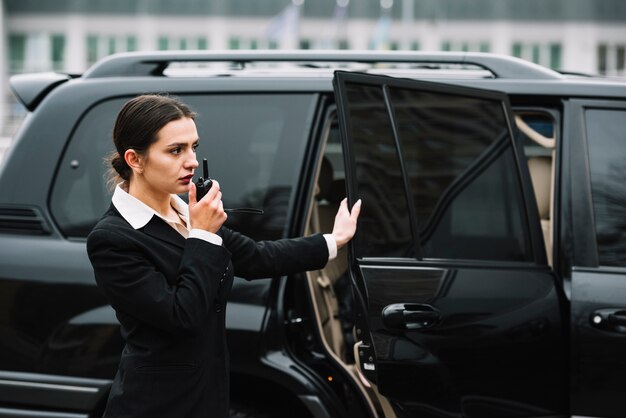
171 160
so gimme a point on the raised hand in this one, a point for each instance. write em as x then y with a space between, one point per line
345 222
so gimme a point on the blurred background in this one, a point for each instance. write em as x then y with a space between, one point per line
587 36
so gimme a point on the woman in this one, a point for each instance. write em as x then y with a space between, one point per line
167 267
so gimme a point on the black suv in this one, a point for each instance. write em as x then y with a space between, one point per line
487 277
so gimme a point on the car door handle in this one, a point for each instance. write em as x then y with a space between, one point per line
410 316
611 319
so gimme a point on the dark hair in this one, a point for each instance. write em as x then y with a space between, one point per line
136 127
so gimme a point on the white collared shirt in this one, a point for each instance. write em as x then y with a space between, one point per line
138 214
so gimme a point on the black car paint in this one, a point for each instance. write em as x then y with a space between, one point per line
44 338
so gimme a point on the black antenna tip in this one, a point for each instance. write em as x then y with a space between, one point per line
205 168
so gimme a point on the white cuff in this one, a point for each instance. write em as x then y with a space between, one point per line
206 236
332 246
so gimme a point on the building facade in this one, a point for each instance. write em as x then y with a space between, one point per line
586 36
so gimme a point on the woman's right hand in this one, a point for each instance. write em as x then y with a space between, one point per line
207 214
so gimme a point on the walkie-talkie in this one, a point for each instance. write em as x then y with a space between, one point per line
204 183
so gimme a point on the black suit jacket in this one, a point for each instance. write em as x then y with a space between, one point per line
169 295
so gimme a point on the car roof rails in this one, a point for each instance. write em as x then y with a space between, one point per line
145 64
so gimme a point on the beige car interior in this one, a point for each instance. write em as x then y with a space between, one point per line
541 167
329 192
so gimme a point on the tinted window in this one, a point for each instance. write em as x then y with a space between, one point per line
384 228
254 145
606 139
463 175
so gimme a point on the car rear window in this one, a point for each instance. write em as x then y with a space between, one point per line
254 144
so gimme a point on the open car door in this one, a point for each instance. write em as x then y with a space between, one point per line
458 313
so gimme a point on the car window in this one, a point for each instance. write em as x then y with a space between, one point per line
606 140
462 172
384 225
538 135
254 145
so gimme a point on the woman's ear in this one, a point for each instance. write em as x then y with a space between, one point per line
134 160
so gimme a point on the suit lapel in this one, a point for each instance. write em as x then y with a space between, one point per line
158 228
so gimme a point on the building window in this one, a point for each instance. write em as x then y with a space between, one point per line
612 59
131 43
234 43
621 59
343 44
17 52
415 46
57 52
111 47
465 46
602 58
99 46
305 44
166 43
536 53
163 43
255 43
546 54
92 49
555 56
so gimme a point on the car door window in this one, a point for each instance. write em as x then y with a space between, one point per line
606 141
254 145
384 225
461 172
461 169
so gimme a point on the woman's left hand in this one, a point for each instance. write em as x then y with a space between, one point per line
345 222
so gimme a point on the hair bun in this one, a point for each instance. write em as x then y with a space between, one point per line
120 166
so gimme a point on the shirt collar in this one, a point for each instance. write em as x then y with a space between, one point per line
138 214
